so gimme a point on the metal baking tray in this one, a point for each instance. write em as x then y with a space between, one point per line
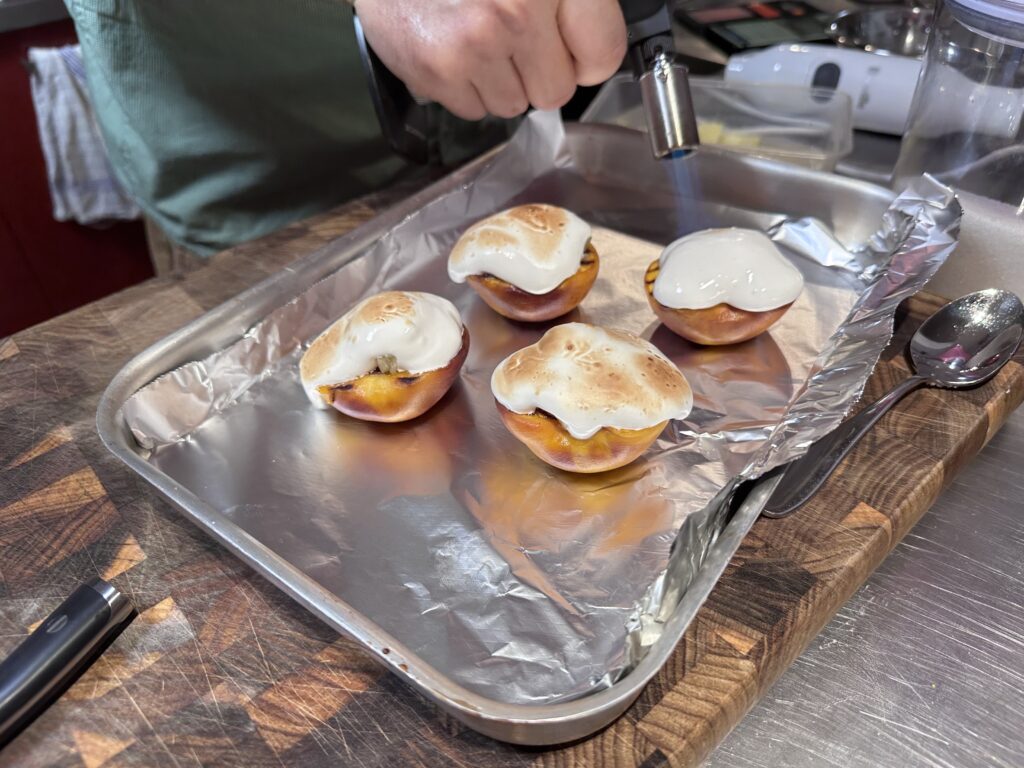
735 190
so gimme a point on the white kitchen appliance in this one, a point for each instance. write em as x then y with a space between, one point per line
881 87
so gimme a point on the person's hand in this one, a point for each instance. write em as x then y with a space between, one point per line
496 56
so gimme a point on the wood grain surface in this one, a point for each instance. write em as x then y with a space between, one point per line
221 669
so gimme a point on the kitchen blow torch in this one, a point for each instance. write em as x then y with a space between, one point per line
412 127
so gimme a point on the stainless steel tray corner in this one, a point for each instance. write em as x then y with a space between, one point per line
851 208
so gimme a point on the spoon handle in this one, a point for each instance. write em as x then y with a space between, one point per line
804 476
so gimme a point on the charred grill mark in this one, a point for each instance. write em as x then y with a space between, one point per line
651 276
589 255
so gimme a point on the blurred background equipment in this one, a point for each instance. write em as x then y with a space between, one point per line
734 28
965 128
965 125
805 126
889 29
881 87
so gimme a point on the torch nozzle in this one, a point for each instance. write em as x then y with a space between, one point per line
668 107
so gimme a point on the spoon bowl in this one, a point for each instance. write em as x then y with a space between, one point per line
966 342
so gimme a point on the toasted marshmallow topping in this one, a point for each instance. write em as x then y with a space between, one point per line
738 267
589 377
533 247
420 331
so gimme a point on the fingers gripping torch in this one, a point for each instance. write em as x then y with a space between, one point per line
664 80
411 125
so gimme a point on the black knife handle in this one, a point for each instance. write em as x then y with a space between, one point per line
46 664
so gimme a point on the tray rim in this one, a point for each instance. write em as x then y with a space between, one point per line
526 724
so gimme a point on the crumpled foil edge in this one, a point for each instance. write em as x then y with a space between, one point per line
919 231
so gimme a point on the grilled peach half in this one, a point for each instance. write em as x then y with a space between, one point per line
550 441
389 395
516 304
713 326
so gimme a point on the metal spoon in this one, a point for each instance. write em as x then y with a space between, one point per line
962 345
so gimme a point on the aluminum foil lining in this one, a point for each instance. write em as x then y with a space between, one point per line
520 582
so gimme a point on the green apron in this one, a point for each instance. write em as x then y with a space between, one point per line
227 119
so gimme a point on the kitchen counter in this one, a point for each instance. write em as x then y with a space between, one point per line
924 666
220 668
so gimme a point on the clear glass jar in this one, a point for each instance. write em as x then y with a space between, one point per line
965 125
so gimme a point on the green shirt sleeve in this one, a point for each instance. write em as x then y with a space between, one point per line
228 119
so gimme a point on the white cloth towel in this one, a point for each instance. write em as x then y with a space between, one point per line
83 187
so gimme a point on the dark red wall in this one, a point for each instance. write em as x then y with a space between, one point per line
48 267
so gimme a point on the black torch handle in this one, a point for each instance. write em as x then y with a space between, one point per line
638 10
46 664
649 30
